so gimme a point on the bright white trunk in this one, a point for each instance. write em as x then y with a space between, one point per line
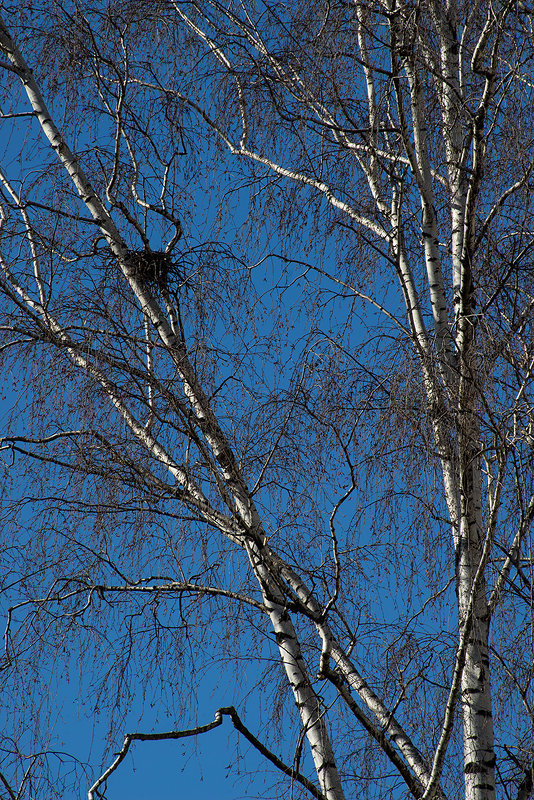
306 701
429 231
479 754
385 718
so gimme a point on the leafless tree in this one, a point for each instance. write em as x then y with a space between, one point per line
267 309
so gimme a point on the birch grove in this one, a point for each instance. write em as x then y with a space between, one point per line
267 302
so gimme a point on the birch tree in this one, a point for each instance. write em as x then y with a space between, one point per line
267 284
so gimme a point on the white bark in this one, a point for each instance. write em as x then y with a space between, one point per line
331 648
436 286
306 700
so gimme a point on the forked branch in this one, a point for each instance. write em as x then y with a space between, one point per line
228 711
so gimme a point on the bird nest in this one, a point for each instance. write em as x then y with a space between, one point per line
151 267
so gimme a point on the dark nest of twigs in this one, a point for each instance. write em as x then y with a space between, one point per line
152 267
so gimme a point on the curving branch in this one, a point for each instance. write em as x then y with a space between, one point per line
228 711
